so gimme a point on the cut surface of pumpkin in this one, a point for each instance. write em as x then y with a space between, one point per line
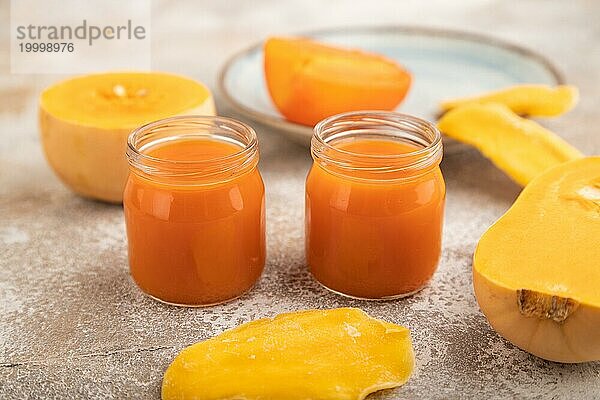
309 81
340 354
532 100
535 271
85 121
523 149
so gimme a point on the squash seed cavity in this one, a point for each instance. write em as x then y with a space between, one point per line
545 306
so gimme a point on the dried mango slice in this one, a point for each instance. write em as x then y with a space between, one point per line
533 100
340 354
520 147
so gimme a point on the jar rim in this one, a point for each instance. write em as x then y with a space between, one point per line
381 124
248 148
192 171
321 126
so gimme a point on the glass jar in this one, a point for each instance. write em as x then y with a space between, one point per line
195 210
374 204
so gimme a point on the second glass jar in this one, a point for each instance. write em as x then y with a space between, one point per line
374 204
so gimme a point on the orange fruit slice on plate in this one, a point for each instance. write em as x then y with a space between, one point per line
309 81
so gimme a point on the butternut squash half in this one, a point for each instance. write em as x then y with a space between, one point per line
536 271
339 354
85 121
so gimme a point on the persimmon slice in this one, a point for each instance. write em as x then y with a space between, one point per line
309 81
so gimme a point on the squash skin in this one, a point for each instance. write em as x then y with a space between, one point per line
340 354
575 338
90 160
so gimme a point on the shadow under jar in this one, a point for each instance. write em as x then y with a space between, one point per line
374 204
195 210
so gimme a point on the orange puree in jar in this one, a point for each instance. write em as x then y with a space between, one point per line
374 204
194 207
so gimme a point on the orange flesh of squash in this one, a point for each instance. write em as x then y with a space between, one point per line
122 100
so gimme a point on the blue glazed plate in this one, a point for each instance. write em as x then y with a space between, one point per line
444 64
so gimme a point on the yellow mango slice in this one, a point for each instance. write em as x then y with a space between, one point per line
533 100
340 354
520 147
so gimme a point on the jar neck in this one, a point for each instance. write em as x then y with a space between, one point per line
192 172
422 138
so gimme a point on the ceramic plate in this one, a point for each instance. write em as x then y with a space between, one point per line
444 64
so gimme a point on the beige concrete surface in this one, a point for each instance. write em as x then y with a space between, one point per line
72 323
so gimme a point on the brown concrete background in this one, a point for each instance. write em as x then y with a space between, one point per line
73 325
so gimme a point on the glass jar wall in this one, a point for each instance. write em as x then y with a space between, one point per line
374 204
195 210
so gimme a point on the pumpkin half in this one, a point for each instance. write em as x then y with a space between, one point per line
536 271
85 121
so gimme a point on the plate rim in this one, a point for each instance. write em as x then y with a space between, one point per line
280 122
